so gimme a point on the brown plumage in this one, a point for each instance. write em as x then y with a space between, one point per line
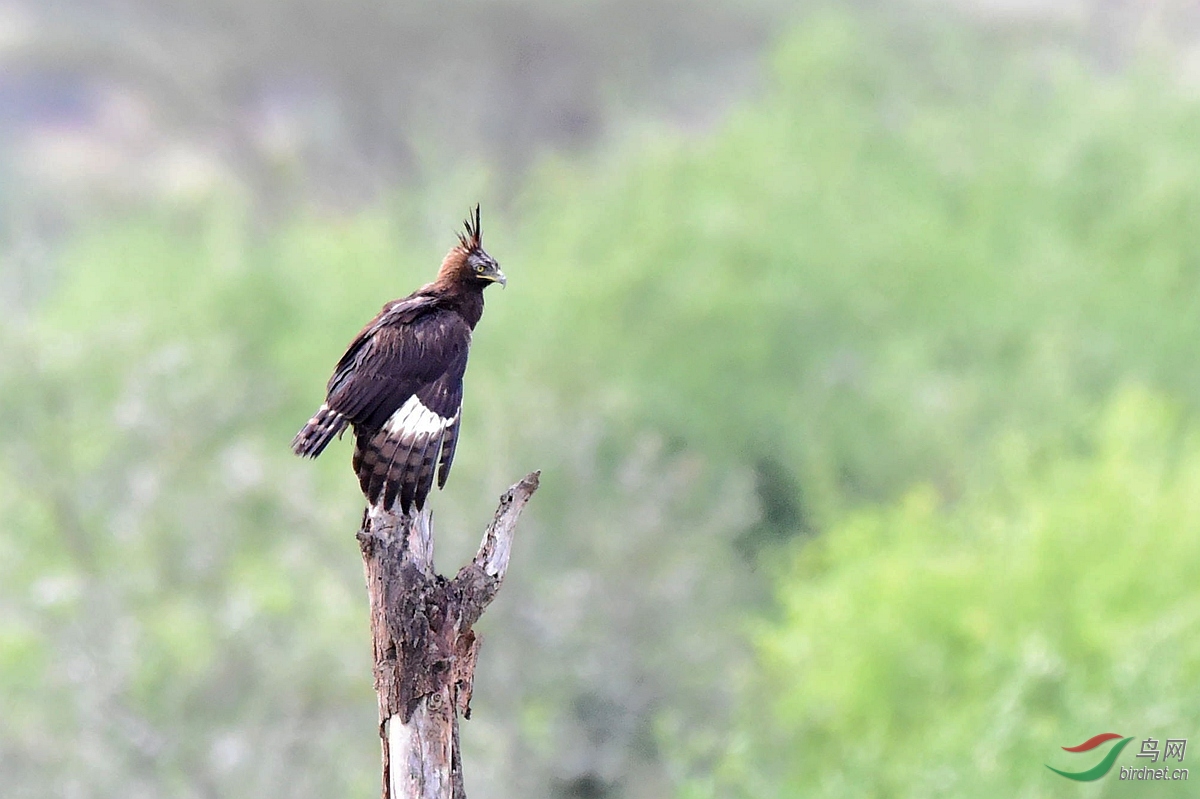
400 382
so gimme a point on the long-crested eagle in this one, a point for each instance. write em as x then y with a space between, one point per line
400 383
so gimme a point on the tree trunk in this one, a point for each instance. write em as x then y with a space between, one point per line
424 648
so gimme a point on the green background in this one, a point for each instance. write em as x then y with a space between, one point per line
867 414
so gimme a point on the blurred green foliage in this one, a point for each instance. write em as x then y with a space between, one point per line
916 239
790 349
927 650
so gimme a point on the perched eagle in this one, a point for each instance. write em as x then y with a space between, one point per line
400 383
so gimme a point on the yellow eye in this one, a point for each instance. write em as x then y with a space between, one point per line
479 268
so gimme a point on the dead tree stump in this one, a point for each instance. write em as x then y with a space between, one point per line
424 648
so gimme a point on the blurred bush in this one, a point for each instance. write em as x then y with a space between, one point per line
925 650
918 238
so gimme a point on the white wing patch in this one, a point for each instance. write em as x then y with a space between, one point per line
414 419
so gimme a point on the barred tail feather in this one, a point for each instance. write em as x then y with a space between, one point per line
448 444
373 460
425 469
320 430
392 477
396 464
411 492
396 472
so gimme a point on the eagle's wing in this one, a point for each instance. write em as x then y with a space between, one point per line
400 384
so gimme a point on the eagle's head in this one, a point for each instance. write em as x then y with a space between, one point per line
468 263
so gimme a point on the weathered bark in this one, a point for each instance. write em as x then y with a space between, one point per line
424 648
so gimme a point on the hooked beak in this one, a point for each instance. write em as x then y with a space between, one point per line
498 277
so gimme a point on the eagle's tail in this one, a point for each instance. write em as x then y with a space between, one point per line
319 431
